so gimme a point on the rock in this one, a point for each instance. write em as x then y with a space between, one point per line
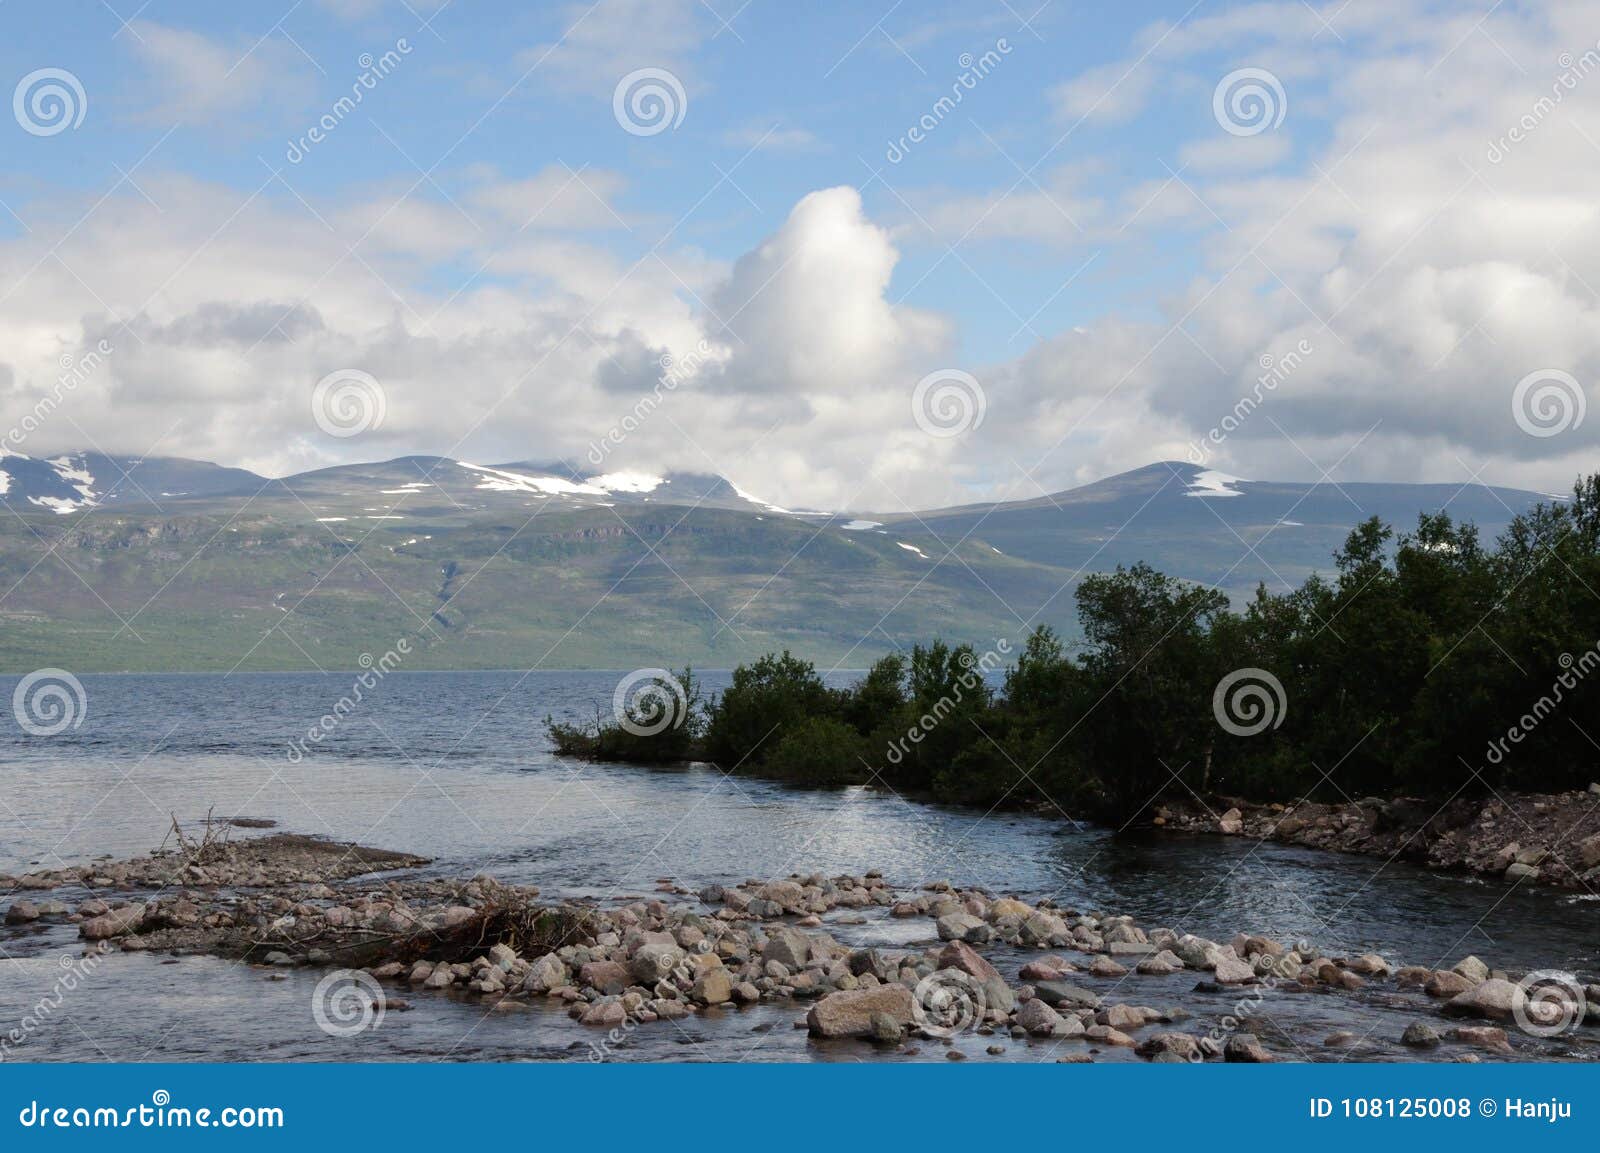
1121 1017
546 973
1106 967
22 912
714 987
1517 871
1246 1048
1484 1037
112 924
609 977
420 972
442 977
1343 1039
887 1029
1106 1035
960 955
1157 966
1492 998
1231 970
1411 975
1039 1019
1009 907
789 947
1180 1046
503 957
1368 964
1472 969
1196 952
1419 1036
1589 848
956 926
849 1013
1045 970
1130 949
605 1014
1041 927
1445 983
655 962
1059 993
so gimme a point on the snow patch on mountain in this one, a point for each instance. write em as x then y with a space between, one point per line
753 499
1214 483
912 548
860 525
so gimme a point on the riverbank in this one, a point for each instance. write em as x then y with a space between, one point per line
1540 838
1063 983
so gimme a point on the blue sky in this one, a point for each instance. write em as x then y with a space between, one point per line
1084 234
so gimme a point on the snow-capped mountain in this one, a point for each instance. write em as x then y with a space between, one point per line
72 482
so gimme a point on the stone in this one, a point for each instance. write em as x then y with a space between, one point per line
605 1014
956 926
887 1029
1500 1000
609 977
1059 993
654 962
1472 969
22 912
1419 1036
112 924
1041 927
442 977
1231 970
1121 1017
789 947
1039 1019
1046 970
1517 871
1180 1046
849 1013
1343 1039
1445 983
960 955
1009 907
546 973
1130 949
1589 849
1196 952
1246 1048
1157 966
1106 1035
1368 964
1106 967
1484 1037
714 987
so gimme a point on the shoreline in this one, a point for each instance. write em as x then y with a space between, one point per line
1065 983
1541 838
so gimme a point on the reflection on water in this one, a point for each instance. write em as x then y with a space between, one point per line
455 765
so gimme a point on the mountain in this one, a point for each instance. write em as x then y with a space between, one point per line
112 563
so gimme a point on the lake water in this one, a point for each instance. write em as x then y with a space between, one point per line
456 766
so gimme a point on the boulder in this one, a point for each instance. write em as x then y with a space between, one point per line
849 1013
112 924
1246 1048
1419 1036
609 977
1444 983
1009 907
1196 952
1589 851
956 926
1231 970
1484 1037
22 912
789 947
1369 965
1472 969
605 1014
1106 967
1040 1019
714 986
1057 994
1180 1046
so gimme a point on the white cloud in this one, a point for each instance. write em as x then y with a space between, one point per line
204 81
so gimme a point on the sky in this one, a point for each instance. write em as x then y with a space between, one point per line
848 255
